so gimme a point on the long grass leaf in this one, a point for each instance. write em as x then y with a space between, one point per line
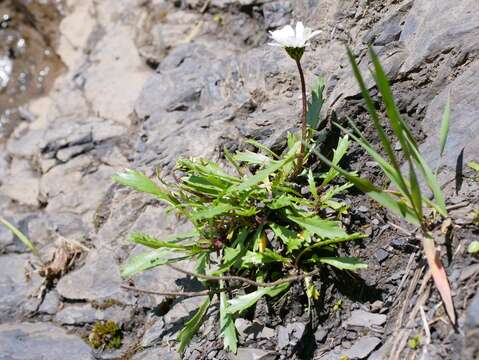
25 240
444 126
376 194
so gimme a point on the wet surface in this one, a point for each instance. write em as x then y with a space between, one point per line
28 62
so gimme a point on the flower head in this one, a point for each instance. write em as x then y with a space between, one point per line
288 37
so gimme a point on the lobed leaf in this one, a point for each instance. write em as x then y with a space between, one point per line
323 228
140 182
243 302
192 326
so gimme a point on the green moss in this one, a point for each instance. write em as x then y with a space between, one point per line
105 334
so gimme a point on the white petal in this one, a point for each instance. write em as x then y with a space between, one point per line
275 44
300 31
313 34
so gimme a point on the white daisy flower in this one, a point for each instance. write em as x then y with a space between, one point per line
288 37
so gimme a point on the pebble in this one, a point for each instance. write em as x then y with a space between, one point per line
381 255
365 319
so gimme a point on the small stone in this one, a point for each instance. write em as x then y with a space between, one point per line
381 255
377 306
365 319
50 303
363 209
267 333
283 337
375 222
241 325
362 348
252 354
153 334
32 341
320 335
76 314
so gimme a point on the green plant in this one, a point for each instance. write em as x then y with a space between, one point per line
254 229
473 247
414 342
25 240
407 199
105 335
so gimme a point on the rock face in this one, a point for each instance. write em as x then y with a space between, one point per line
147 82
39 341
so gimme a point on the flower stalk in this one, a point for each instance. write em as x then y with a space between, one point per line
294 41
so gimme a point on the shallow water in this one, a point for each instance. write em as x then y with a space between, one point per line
28 62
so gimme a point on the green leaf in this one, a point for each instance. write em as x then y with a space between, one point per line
140 182
473 165
256 258
339 153
191 327
149 260
201 262
211 211
383 198
25 240
228 329
252 158
313 117
374 116
415 191
344 263
243 302
261 175
473 247
444 126
322 228
169 242
289 237
262 147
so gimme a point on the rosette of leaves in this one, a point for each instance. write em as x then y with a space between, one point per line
252 225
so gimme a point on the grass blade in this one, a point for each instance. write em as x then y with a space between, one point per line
26 241
444 126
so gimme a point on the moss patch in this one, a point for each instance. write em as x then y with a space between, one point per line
106 335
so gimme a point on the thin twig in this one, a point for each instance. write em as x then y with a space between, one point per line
397 227
425 324
243 279
457 206
178 293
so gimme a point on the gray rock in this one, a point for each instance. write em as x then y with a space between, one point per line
50 303
283 337
463 137
80 314
471 346
362 348
365 319
252 354
153 334
76 315
15 288
40 341
453 28
381 255
99 279
157 353
241 326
